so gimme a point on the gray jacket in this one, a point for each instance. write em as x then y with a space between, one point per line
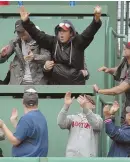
84 129
17 66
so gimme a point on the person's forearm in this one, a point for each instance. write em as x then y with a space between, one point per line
113 70
111 91
8 134
94 120
123 87
107 91
14 123
62 120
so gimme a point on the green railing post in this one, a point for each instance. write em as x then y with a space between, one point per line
104 139
110 54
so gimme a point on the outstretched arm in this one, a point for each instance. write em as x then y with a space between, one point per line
88 34
94 119
44 40
63 120
6 52
123 87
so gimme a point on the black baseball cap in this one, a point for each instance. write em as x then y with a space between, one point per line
19 27
30 96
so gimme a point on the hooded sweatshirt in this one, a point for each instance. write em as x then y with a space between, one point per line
84 129
68 57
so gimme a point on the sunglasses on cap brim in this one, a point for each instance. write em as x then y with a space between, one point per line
64 24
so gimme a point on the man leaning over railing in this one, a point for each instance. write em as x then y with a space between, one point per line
121 74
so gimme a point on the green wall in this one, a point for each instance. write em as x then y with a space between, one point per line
95 57
50 108
64 159
112 6
93 53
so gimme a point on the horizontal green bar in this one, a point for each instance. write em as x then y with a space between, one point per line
52 9
12 159
15 89
61 159
107 99
84 160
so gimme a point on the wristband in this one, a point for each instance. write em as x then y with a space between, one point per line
107 120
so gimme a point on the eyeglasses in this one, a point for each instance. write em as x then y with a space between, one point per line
64 24
89 99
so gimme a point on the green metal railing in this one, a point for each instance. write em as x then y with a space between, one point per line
104 140
111 56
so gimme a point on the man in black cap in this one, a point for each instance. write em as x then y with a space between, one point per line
31 135
122 75
27 66
120 135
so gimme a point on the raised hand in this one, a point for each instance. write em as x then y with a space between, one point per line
14 115
96 88
97 12
5 50
86 102
106 111
114 108
24 14
68 99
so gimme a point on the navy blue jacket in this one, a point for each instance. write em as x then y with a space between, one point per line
121 140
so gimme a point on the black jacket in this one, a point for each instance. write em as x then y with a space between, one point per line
6 80
69 58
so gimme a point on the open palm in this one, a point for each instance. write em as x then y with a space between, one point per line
97 13
24 14
14 115
114 108
67 99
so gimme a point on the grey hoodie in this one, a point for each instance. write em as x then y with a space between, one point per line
84 129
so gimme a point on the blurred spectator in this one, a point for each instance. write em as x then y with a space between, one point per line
4 3
84 128
31 135
120 136
27 66
67 48
121 73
